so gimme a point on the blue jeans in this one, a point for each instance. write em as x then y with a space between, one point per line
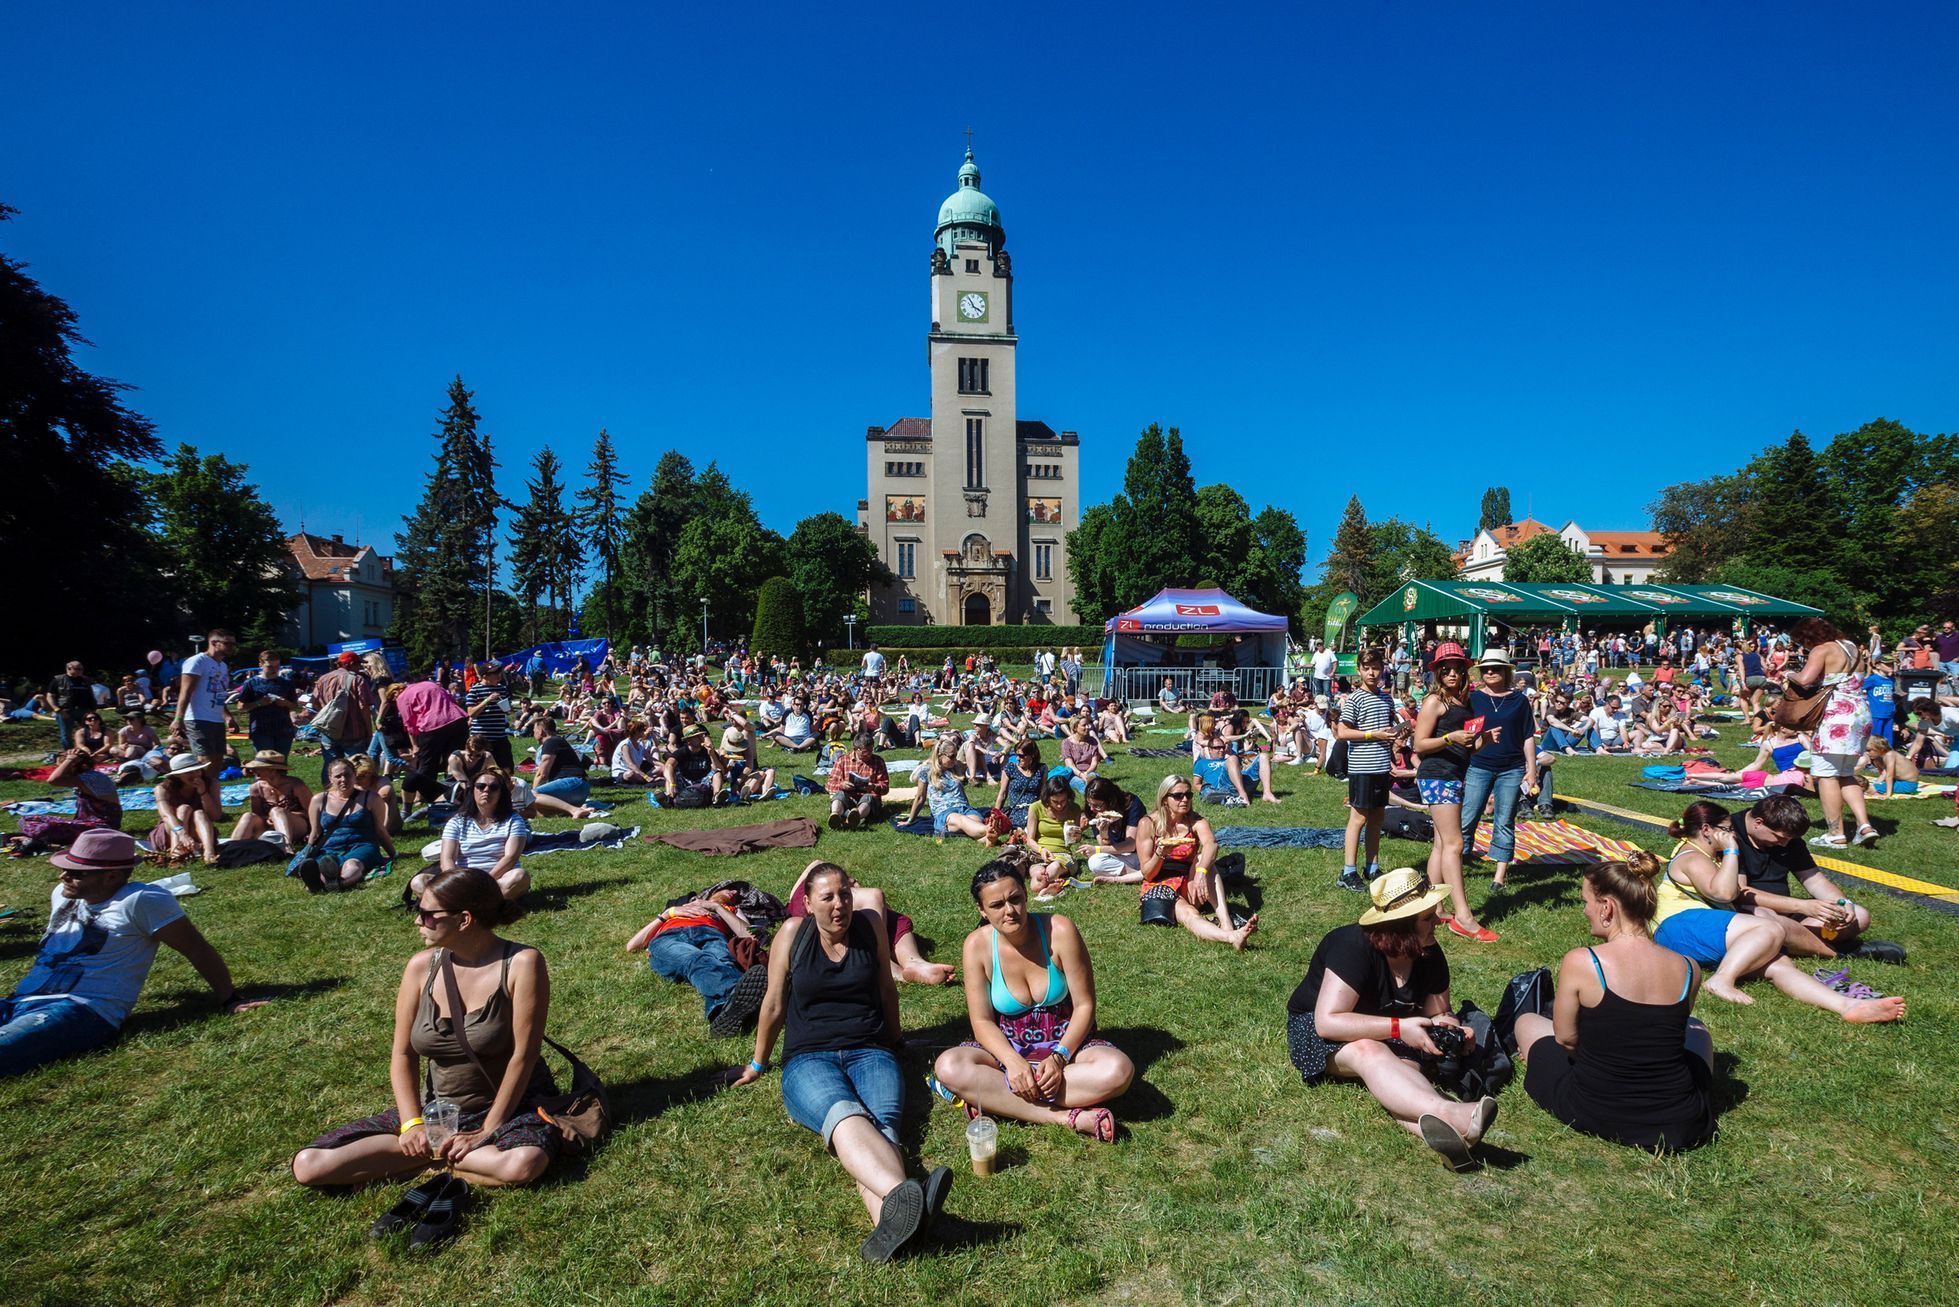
572 789
1558 741
823 1090
699 956
1477 785
47 1031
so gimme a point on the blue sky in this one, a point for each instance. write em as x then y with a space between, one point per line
1408 250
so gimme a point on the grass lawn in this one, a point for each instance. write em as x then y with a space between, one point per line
156 1170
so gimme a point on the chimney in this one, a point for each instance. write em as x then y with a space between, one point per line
872 433
337 540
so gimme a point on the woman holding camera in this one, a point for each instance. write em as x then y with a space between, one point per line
1370 1009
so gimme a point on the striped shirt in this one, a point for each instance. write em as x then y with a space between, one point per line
492 723
1368 710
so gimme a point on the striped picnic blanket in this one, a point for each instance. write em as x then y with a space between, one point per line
1559 843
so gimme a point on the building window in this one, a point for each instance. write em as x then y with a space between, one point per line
907 604
904 469
975 376
1043 562
975 453
1044 606
972 265
908 559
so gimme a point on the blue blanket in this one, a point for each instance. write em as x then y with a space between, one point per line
1280 837
1734 792
135 799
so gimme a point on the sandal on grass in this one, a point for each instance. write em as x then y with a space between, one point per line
1864 835
409 1210
443 1220
1104 1123
1446 1140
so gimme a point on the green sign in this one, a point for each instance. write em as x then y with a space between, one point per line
1337 613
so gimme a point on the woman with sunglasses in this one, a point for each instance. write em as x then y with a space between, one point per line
1443 743
1503 762
1032 1058
92 739
1374 992
1176 853
496 1078
486 835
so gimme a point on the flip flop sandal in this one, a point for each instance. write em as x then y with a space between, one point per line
444 1218
937 1185
1484 1117
409 1210
1446 1140
1858 990
901 1218
1824 976
1105 1123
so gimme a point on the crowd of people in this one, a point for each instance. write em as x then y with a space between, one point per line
1428 729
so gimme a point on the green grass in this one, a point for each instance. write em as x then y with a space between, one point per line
155 1171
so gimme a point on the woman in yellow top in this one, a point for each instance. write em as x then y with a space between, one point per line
1048 836
1695 917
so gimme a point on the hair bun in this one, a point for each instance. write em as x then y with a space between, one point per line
1642 863
1676 830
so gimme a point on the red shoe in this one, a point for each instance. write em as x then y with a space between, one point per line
1482 934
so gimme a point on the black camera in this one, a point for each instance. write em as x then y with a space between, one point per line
1449 1041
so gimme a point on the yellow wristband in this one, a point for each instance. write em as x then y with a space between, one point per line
408 1125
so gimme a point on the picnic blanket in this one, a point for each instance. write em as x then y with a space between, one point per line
135 799
556 841
653 797
1280 837
1737 793
1182 752
1558 843
920 825
732 841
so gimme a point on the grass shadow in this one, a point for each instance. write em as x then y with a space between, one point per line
555 898
189 1005
953 1232
1729 1090
1541 891
1500 1159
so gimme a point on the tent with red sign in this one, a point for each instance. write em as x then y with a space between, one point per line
1198 637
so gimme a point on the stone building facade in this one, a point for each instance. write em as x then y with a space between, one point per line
971 507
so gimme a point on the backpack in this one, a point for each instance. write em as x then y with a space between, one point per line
1407 824
344 717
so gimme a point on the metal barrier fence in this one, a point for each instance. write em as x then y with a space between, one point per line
1252 685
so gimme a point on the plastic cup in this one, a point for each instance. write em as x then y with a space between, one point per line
983 1144
440 1119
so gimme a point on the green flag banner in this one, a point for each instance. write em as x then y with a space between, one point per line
1337 613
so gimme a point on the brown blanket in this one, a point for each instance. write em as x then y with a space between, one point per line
788 833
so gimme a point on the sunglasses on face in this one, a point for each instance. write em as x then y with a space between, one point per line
487 786
428 916
1178 794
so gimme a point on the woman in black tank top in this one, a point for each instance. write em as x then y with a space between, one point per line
1443 747
830 984
1621 1057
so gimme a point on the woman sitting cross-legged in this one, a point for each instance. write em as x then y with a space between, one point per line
1622 1056
1374 992
830 985
1048 835
278 801
1176 855
485 834
353 833
489 1068
1032 1058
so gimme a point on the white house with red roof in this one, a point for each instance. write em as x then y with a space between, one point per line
1617 557
346 591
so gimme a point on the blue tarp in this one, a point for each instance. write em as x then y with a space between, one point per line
558 655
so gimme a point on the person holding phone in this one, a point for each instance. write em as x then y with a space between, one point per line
1444 735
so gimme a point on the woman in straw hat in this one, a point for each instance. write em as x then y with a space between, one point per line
1375 992
1444 742
187 810
277 801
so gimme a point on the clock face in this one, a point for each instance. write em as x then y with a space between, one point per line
972 306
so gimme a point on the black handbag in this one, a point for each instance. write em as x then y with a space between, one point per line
1528 991
1336 760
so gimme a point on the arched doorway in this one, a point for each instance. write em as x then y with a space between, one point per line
977 611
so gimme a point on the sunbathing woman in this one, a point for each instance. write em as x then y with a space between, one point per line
907 963
944 788
1177 853
1030 996
1049 836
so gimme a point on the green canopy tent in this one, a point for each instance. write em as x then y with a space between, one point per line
1474 605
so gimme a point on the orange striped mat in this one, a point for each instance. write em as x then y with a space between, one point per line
1559 843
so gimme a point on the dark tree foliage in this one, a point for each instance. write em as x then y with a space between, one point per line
652 535
1496 509
226 555
545 560
445 553
1545 557
603 527
831 564
778 619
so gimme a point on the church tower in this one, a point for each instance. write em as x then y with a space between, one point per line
974 504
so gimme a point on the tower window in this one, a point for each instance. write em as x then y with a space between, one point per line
972 265
904 469
907 559
975 453
1043 562
975 376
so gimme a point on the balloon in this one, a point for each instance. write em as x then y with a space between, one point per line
155 656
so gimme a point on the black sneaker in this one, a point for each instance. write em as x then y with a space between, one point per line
1352 879
937 1185
311 876
744 1001
903 1216
1876 950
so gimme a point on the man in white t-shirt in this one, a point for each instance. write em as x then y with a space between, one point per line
1611 721
202 688
873 663
1325 661
103 929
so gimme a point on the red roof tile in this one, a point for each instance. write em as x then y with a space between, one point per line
321 559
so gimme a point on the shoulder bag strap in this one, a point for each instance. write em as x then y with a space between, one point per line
459 1022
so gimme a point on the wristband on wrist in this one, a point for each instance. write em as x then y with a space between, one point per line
408 1125
757 1067
1394 1027
1062 1049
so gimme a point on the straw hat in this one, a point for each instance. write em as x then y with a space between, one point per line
185 762
1403 892
267 760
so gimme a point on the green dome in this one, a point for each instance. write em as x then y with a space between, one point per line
968 214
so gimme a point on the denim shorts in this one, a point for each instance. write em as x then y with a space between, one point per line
823 1090
1439 791
572 789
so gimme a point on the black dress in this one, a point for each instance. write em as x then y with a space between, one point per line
1633 1080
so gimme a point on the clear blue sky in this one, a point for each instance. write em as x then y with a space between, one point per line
1407 249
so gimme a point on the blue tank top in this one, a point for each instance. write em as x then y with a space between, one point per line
1004 1002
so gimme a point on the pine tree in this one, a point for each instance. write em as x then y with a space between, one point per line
538 534
646 556
1496 509
1351 563
1796 521
600 522
445 555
